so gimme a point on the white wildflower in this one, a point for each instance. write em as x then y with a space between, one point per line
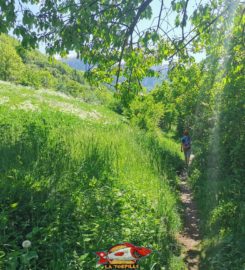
26 244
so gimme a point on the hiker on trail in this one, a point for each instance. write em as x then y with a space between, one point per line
186 146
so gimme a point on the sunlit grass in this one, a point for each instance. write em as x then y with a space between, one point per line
76 186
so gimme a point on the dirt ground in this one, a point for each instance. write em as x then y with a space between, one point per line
189 238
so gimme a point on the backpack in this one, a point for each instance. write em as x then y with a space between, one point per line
186 142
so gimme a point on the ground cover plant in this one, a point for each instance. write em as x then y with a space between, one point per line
75 186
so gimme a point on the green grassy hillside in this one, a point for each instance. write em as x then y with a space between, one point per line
76 179
32 68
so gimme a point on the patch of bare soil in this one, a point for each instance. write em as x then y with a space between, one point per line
189 238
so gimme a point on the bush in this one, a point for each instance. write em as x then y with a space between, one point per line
10 63
145 113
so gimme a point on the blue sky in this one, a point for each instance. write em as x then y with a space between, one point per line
156 5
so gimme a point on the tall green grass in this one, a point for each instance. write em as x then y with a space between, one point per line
75 187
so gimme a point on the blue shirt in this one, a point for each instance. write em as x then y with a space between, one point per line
186 140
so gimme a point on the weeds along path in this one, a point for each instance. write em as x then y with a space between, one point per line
74 185
189 238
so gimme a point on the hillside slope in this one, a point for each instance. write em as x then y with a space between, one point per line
32 68
75 179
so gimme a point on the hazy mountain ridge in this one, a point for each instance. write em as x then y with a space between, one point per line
148 82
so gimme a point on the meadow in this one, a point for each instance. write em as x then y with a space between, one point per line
79 180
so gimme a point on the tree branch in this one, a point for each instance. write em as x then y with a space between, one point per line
141 9
183 23
199 33
129 32
160 15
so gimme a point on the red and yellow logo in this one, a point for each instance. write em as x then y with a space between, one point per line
122 256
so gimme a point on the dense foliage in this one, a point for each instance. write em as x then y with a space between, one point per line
73 187
218 177
208 99
108 33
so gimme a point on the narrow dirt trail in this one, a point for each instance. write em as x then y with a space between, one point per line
189 238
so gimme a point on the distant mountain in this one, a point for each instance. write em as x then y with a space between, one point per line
151 82
148 82
75 63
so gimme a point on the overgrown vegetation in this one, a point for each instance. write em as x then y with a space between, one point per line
218 173
208 99
76 178
73 187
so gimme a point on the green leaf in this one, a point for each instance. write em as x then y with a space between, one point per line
27 257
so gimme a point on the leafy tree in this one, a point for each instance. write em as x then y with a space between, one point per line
10 62
163 94
105 33
146 113
32 76
185 84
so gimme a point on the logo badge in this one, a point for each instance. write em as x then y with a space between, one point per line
122 256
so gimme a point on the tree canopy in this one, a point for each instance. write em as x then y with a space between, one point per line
10 62
105 33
